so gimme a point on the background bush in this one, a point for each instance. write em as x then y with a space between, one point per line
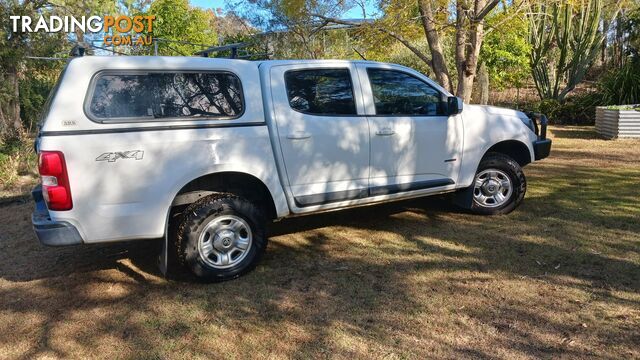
621 87
615 87
33 94
17 160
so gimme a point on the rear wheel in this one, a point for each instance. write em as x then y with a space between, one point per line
221 237
499 185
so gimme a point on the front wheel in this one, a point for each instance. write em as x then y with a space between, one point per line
221 237
499 185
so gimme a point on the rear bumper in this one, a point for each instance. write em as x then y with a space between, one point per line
49 232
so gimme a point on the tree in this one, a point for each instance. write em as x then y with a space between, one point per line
14 46
505 50
565 39
87 8
291 24
632 27
25 82
178 21
437 18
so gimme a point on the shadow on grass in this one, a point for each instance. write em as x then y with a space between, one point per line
357 270
14 200
607 160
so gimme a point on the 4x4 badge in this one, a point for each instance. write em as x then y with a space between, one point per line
113 156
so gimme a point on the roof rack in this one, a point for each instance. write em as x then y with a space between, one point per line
233 47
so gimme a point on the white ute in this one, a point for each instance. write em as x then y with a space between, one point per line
222 146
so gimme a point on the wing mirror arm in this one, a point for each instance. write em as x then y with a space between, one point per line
454 105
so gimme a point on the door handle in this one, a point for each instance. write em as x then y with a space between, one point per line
385 132
299 135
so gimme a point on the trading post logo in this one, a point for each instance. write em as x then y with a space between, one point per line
120 30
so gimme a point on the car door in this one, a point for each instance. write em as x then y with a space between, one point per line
414 144
324 142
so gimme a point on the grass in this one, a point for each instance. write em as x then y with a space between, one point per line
557 278
18 167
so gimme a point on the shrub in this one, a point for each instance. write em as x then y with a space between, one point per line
615 88
34 90
621 87
17 160
575 110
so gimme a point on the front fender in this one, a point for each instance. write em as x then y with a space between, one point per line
482 130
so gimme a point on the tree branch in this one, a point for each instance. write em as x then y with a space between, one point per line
513 14
485 11
393 34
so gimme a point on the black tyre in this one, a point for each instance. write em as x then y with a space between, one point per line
499 185
221 237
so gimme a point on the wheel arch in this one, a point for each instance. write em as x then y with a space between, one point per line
514 149
234 182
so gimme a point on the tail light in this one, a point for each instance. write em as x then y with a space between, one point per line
55 181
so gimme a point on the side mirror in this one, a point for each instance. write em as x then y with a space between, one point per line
454 105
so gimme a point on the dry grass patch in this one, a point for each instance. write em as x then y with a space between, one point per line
18 167
557 278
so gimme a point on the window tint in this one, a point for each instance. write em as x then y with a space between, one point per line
118 96
321 91
167 95
397 93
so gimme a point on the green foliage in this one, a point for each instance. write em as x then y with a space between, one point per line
565 40
505 51
631 26
620 87
177 20
575 110
616 88
398 54
33 94
17 158
14 47
34 89
294 30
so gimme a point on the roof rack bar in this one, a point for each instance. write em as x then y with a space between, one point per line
233 47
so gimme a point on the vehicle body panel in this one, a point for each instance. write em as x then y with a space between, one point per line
485 126
129 198
322 154
420 149
124 176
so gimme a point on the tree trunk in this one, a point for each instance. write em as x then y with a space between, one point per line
14 103
4 123
483 82
467 55
464 86
469 23
438 63
619 42
603 54
10 122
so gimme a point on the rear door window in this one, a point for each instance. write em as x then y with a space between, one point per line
320 91
166 95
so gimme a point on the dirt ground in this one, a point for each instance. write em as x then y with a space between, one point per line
557 278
